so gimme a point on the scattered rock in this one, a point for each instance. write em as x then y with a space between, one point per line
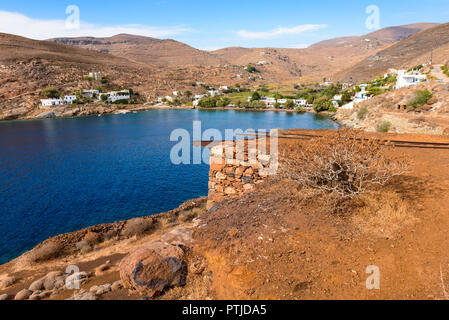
7 282
183 237
101 269
35 295
4 297
23 294
84 296
105 288
117 285
37 285
80 277
46 115
49 283
153 268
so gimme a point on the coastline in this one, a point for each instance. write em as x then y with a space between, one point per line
99 110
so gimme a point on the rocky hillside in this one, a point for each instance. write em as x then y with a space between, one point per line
145 49
395 109
277 64
28 66
407 53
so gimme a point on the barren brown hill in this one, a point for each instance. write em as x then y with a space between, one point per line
28 66
324 58
145 49
403 54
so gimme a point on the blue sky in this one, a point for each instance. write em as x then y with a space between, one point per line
216 24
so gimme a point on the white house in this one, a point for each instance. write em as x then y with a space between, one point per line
117 95
407 79
69 99
362 95
269 102
199 96
58 102
300 102
95 75
91 93
223 88
52 102
213 93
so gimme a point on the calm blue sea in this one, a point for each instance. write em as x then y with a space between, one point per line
61 175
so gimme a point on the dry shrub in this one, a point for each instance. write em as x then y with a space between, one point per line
189 215
47 251
345 164
384 213
136 227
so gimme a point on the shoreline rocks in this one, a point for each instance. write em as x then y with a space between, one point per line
153 268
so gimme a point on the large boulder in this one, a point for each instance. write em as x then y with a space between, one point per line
153 268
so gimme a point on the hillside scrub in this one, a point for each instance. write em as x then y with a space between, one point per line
344 164
420 98
384 126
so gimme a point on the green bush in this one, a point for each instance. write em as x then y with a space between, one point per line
300 109
322 104
332 109
289 104
50 92
421 97
207 102
361 114
277 105
255 96
384 126
223 102
445 69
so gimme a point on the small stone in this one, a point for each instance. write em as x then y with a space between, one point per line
35 295
4 297
105 288
84 297
117 285
7 282
230 191
101 269
23 294
49 283
37 285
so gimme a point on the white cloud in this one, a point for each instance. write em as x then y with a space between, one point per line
19 24
281 31
299 46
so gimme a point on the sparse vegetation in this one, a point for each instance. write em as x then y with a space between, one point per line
384 126
361 114
420 98
445 70
50 92
47 251
345 164
137 227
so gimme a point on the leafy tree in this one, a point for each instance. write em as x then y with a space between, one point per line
50 92
104 97
223 102
277 96
277 105
289 104
300 109
346 97
322 103
207 102
255 96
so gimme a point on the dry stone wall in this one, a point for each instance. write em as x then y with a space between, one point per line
234 172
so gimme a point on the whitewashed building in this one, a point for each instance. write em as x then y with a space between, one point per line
362 95
408 79
300 102
52 102
213 93
91 93
117 95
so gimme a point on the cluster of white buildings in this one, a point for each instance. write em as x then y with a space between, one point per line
270 102
58 101
112 96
